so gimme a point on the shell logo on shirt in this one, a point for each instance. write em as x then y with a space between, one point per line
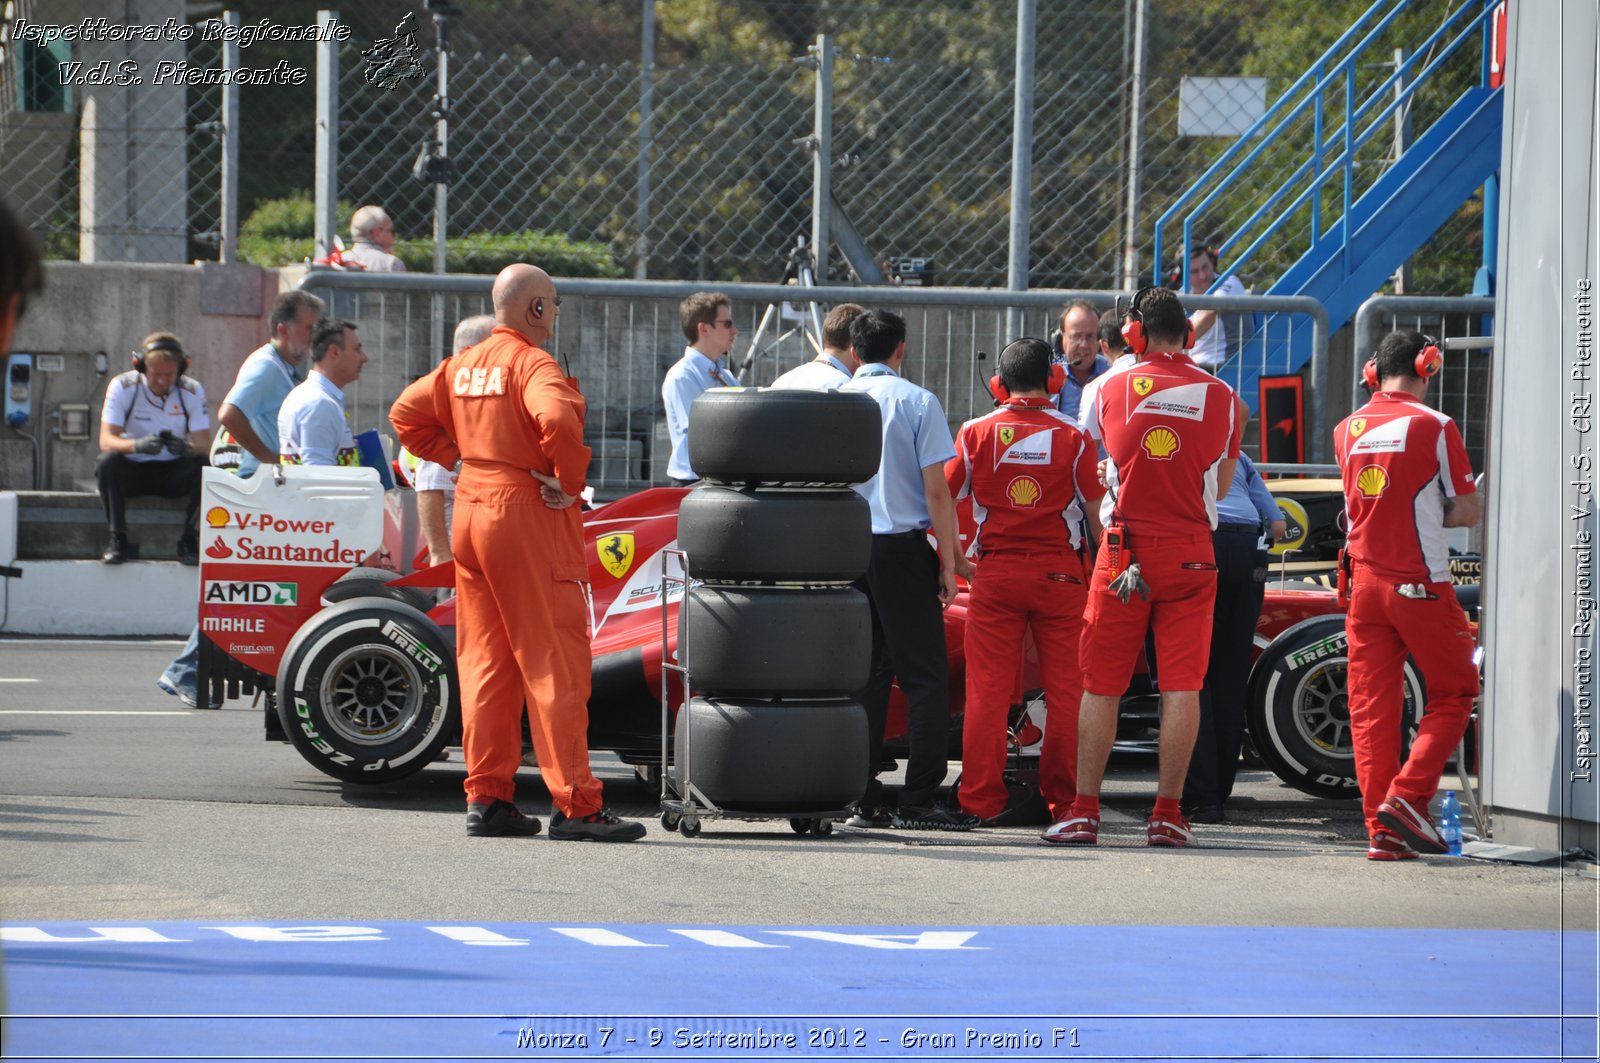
1007 434
1372 481
1160 443
1024 492
217 517
1142 385
616 552
1358 425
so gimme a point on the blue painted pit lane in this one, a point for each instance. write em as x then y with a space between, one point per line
180 990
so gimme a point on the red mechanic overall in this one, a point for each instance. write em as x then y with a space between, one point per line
1400 460
1031 474
522 615
1166 425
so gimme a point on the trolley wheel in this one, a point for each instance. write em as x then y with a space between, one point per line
800 826
822 826
669 821
690 828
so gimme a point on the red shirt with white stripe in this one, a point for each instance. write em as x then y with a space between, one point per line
1166 425
1400 459
1030 472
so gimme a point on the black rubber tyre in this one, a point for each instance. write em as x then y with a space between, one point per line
1299 714
750 535
363 582
801 825
689 828
367 691
669 821
768 642
785 438
759 756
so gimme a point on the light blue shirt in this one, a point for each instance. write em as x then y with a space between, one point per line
915 436
264 381
311 424
1071 393
822 373
689 378
1248 501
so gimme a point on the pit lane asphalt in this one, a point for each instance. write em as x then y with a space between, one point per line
142 810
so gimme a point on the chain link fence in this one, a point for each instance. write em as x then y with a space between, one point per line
117 170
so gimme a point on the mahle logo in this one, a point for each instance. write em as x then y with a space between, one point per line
239 592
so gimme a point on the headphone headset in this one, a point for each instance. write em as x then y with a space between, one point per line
1428 362
1052 384
138 358
1133 333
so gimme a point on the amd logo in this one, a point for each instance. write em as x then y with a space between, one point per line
236 592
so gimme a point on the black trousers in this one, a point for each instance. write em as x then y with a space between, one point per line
1241 585
121 479
902 584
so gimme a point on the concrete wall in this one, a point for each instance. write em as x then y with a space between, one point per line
1539 765
218 311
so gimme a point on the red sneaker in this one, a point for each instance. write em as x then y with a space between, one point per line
1414 826
1167 833
1074 830
1386 846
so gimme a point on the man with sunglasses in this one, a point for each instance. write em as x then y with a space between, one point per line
505 410
708 326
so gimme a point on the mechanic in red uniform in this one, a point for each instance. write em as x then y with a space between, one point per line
1406 479
1171 431
509 414
1032 477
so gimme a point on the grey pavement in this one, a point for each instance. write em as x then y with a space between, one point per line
117 804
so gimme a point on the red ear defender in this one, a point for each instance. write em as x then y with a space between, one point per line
1057 380
1133 334
1430 359
997 388
1188 336
1369 374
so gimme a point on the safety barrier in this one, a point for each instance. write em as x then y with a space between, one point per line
620 336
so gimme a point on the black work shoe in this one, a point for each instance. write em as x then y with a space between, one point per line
870 819
601 826
117 552
1204 814
188 551
500 819
933 817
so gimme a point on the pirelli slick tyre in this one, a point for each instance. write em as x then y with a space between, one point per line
758 756
752 535
367 691
1299 711
785 438
364 582
770 642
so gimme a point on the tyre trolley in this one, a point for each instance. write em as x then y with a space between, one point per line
683 805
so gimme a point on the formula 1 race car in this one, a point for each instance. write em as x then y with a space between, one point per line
356 663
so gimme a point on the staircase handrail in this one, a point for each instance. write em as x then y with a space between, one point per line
1343 67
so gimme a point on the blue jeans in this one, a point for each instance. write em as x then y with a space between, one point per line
183 672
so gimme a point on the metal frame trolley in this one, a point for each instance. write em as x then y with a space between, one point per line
683 805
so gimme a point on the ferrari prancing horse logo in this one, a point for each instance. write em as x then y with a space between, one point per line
1007 434
616 552
1142 385
1358 426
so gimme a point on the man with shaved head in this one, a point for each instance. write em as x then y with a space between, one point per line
513 420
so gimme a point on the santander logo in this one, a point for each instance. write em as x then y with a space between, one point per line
219 550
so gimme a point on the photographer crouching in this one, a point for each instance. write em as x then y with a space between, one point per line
153 426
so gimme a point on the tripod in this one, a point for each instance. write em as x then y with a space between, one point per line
798 268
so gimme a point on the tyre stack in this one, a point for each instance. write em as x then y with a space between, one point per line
778 642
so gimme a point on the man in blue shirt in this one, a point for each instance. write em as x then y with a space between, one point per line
1080 350
708 325
908 582
312 428
249 419
1248 521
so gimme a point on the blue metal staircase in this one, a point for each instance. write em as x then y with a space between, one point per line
1332 129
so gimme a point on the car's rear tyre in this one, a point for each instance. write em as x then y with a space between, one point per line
367 691
365 582
1299 714
791 438
749 535
769 642
758 756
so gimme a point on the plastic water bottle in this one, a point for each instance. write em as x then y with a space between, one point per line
1450 822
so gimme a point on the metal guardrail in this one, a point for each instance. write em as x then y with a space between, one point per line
620 336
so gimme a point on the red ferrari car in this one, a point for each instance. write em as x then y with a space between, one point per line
357 662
